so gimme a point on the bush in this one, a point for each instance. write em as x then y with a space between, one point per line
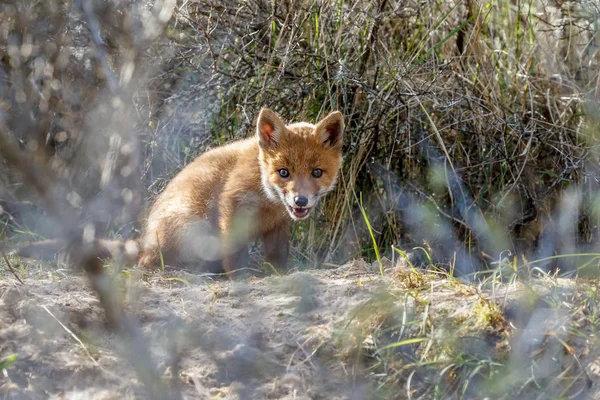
466 122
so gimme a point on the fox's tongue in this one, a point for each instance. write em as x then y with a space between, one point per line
300 212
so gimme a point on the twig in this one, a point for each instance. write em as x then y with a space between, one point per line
10 268
86 256
32 174
435 204
308 356
85 349
94 27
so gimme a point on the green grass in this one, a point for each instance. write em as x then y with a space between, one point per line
8 361
375 247
457 341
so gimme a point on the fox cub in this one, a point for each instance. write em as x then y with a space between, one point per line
249 189
232 195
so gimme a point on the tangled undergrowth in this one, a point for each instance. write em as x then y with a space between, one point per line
471 126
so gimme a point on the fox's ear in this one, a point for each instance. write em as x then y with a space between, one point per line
331 129
269 128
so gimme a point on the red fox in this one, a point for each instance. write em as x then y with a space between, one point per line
249 189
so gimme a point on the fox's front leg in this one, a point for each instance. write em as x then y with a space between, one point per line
235 224
235 249
236 260
276 244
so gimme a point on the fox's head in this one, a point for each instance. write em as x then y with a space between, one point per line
299 162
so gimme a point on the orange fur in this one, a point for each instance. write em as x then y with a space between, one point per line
234 194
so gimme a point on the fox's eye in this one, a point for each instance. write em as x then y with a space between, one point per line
317 172
284 173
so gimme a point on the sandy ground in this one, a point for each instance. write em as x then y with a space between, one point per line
259 338
276 337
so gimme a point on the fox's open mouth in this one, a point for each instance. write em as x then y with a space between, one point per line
299 212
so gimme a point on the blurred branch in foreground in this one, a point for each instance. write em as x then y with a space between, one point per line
70 93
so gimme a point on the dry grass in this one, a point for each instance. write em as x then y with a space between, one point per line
471 152
473 113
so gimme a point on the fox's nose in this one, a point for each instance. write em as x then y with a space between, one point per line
301 201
